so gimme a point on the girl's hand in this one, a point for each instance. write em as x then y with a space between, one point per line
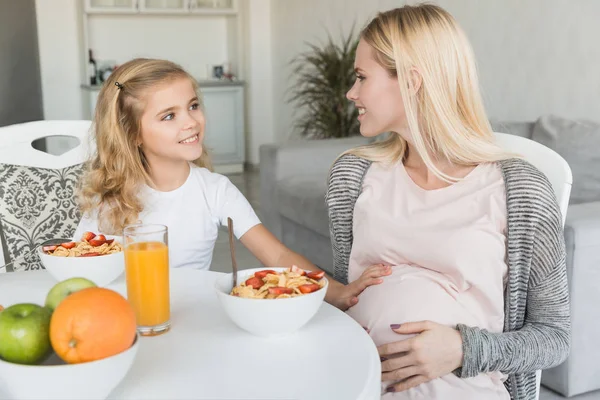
435 351
347 295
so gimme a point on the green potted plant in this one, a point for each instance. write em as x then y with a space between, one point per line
323 75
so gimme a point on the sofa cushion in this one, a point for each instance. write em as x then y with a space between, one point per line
523 129
302 200
36 205
578 143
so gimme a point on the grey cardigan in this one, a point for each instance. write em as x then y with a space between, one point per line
537 313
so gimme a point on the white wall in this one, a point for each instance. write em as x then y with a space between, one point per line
58 41
191 41
535 57
259 73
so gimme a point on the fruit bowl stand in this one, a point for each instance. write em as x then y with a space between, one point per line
206 356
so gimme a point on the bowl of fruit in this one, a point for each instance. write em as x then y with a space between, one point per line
272 302
99 258
79 345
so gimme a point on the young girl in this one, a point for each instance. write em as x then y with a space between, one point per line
150 166
477 300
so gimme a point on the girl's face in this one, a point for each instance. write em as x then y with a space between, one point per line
172 124
376 95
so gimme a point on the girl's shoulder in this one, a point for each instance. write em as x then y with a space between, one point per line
210 181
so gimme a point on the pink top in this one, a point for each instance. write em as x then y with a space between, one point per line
447 250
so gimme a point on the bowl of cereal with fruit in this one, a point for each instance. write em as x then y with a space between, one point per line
97 257
272 301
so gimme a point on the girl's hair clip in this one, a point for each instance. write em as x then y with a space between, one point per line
120 86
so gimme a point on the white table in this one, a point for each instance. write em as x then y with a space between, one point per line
206 356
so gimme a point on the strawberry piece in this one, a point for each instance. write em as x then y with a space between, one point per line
309 288
280 290
48 249
297 270
100 237
263 273
68 245
316 275
87 236
90 255
254 282
109 241
96 243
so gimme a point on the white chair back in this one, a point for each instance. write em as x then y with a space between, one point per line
16 143
555 168
16 146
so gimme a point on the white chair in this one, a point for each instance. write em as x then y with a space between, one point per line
16 146
16 143
555 168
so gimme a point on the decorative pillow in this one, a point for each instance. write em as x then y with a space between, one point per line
577 141
36 205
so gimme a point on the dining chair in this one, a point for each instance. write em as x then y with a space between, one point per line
37 188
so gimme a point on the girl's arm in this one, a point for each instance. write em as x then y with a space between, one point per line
272 253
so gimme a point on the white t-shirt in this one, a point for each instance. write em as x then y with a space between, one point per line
192 213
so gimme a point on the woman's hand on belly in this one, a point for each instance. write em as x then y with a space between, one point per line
435 351
346 296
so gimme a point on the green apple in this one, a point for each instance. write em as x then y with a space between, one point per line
64 288
25 333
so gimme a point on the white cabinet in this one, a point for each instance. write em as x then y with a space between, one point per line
164 6
208 7
224 135
111 6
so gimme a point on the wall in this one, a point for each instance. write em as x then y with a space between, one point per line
259 73
20 87
60 60
535 57
193 42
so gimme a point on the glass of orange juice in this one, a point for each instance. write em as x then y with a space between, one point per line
147 276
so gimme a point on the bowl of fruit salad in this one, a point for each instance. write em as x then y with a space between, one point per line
272 301
96 257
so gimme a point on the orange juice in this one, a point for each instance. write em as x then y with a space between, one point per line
147 270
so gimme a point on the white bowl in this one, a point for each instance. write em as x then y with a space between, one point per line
56 380
101 270
267 317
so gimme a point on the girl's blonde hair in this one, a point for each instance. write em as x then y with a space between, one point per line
446 117
113 177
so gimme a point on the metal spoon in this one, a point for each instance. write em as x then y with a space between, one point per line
232 250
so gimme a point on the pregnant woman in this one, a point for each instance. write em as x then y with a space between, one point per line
477 297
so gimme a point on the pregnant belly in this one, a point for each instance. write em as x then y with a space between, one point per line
409 294
412 294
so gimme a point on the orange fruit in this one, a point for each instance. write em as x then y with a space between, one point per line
92 324
1 308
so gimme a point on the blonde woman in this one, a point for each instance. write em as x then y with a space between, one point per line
477 299
150 166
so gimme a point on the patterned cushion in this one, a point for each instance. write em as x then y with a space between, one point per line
36 205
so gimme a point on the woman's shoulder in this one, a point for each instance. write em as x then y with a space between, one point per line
348 168
530 195
521 175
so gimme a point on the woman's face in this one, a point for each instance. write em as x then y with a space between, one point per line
172 124
376 94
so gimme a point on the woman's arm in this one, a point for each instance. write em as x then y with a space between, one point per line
272 253
543 341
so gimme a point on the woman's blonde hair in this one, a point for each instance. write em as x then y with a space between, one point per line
113 177
445 115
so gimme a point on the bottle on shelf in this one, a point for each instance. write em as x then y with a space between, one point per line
92 69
